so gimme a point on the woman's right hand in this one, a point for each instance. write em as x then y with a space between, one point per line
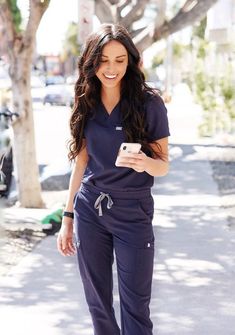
65 243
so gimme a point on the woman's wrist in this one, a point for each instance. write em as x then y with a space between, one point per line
156 167
68 214
66 221
67 218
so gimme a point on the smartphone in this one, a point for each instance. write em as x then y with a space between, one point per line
127 148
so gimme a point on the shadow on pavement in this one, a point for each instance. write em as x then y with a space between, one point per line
193 272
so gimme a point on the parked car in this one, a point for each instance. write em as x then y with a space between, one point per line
5 81
59 95
6 159
55 80
37 89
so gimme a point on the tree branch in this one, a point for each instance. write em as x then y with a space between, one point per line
134 13
161 12
145 38
190 13
9 30
37 9
103 10
136 32
122 4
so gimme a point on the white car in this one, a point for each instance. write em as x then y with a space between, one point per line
61 95
5 81
37 89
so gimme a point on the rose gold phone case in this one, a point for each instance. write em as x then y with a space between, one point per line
127 148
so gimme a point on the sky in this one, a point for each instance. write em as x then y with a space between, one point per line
54 23
53 26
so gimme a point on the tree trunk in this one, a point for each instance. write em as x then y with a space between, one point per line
29 187
134 14
21 46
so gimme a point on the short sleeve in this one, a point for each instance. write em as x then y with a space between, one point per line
157 125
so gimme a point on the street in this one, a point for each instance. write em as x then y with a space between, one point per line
51 133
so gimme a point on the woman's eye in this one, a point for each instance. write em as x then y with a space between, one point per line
105 61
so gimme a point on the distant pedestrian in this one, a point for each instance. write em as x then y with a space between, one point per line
110 206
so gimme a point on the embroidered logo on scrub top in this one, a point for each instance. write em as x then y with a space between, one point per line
118 128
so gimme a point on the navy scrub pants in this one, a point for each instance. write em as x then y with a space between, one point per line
119 221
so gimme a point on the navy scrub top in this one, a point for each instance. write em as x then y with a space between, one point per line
104 135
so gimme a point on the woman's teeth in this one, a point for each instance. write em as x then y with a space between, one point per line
110 77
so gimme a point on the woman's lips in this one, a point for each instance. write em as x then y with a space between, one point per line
109 76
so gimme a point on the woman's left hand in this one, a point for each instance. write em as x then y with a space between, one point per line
137 162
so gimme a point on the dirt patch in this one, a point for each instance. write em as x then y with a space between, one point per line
21 228
15 244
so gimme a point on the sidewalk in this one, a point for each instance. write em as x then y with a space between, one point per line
194 261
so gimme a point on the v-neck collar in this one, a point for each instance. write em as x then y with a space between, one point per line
113 118
113 110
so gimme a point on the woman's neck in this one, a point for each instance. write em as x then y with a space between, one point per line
110 98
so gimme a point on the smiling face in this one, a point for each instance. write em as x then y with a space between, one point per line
113 65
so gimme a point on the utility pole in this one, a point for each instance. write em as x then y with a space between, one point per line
86 10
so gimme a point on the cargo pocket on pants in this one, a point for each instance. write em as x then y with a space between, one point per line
144 269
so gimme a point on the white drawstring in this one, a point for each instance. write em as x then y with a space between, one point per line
99 200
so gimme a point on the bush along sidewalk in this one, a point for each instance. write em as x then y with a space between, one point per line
52 222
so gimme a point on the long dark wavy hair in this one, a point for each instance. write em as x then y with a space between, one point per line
133 91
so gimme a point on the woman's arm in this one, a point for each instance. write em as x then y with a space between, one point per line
158 167
141 162
76 177
65 237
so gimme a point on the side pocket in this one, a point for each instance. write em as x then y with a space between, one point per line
147 207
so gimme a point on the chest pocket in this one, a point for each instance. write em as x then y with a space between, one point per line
103 142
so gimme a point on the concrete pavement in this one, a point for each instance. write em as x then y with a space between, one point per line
193 283
195 259
194 266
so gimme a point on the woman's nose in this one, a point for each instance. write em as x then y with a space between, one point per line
111 67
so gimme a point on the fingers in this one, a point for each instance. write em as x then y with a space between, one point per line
127 160
139 156
65 246
138 164
71 247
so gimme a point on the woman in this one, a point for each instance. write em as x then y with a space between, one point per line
109 207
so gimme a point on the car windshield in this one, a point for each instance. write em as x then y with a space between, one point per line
55 80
